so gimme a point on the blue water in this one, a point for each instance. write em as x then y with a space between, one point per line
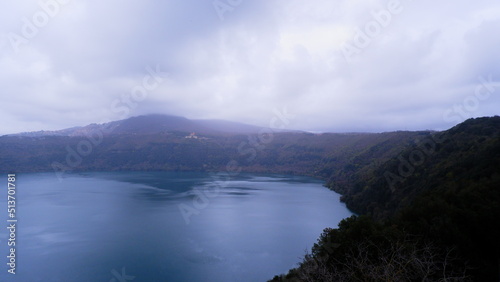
164 226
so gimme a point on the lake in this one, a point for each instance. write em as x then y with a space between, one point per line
164 226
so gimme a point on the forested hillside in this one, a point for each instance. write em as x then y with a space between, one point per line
165 143
430 213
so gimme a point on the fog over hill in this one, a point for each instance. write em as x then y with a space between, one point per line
152 124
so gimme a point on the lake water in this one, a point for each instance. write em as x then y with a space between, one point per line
164 226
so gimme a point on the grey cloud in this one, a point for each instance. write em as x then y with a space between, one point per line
263 55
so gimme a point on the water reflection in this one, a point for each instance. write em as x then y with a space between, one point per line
84 227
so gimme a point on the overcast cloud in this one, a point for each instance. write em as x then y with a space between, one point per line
416 65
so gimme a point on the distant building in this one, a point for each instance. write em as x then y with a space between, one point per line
192 136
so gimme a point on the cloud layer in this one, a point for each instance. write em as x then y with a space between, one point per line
335 65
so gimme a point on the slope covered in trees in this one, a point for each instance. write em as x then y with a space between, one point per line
165 143
430 213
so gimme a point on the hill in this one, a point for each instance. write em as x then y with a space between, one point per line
160 142
151 124
429 213
283 152
459 157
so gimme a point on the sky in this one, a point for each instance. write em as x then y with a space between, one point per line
321 66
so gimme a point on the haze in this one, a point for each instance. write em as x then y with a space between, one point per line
331 65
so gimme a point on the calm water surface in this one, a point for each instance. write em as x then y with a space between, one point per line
160 226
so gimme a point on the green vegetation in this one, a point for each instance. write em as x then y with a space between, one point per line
293 153
435 219
429 201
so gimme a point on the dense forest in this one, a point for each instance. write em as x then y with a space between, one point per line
428 202
429 213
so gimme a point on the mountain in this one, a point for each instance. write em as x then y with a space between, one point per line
152 124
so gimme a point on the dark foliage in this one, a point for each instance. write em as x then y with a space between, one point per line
442 209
